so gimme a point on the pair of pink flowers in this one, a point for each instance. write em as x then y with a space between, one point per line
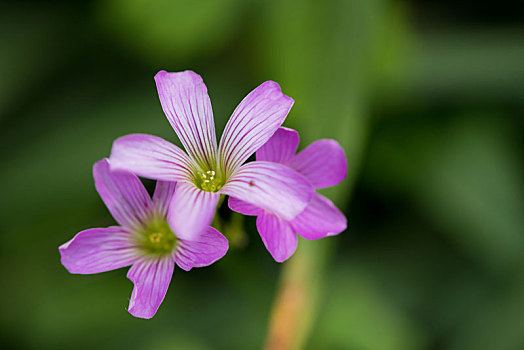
174 226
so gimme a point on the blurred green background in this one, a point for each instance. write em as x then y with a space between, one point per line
426 97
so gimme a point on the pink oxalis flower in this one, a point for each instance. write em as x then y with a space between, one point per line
323 163
144 239
208 171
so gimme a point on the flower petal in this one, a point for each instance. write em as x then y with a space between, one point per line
210 246
185 102
242 207
123 194
163 195
281 147
151 157
323 163
270 186
321 218
277 235
98 250
253 122
151 278
191 210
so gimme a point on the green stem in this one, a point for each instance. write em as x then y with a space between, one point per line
233 228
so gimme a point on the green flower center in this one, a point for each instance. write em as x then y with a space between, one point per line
157 238
209 181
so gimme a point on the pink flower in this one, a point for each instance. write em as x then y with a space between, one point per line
144 240
323 163
208 171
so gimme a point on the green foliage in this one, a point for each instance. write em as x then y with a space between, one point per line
164 31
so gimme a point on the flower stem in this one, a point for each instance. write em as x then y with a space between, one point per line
294 307
233 228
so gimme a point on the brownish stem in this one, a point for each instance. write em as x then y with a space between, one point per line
294 306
